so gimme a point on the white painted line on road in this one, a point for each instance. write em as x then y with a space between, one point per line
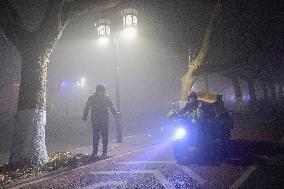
57 174
183 168
244 177
131 136
144 162
164 181
157 174
192 174
103 184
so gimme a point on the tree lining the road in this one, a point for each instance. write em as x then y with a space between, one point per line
188 79
36 47
250 41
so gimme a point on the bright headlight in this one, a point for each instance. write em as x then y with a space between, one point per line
180 133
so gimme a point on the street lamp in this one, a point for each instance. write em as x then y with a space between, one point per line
103 28
129 16
130 21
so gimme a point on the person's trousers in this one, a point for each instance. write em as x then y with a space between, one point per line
100 130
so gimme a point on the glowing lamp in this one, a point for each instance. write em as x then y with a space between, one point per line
180 133
129 16
103 27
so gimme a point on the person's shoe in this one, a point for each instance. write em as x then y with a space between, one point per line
94 155
104 154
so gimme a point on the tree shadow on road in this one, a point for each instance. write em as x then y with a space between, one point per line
245 152
241 153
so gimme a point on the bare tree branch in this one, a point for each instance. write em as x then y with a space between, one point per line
188 78
60 12
82 7
10 23
77 8
270 25
51 23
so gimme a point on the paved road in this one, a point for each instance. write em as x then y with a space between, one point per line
249 165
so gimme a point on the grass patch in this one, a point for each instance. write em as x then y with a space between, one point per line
57 161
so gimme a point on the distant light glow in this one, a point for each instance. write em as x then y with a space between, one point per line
129 32
232 98
67 85
246 98
83 80
103 40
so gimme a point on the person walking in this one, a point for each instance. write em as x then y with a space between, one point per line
99 103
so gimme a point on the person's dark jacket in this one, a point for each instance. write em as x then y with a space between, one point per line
188 109
99 105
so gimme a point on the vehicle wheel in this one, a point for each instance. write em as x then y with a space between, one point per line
225 144
179 151
225 138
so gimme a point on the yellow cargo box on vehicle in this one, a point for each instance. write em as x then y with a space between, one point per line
205 96
209 97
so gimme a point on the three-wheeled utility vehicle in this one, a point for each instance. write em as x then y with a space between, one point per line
206 138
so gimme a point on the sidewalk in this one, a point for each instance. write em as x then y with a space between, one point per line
129 143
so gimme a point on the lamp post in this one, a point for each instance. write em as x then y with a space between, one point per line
129 16
117 91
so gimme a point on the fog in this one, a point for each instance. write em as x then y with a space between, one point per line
149 78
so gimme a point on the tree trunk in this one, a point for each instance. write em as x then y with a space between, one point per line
28 146
205 78
265 91
238 93
188 79
251 90
280 92
187 82
272 91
